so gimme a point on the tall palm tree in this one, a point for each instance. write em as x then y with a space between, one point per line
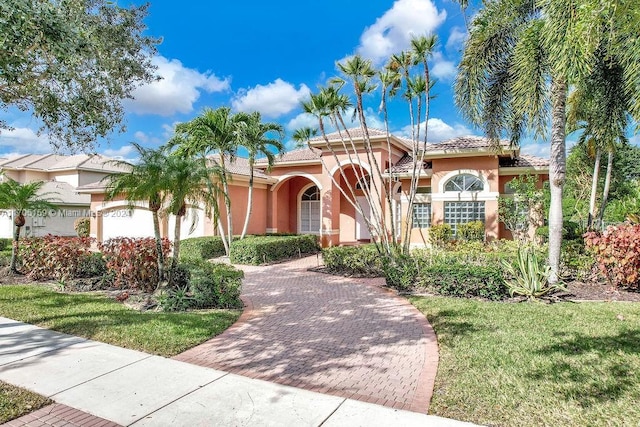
187 178
20 198
213 131
145 181
519 61
253 135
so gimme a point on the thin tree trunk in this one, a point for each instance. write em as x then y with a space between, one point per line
156 233
249 203
14 249
607 186
557 173
594 189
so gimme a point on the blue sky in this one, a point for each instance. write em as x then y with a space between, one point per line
268 56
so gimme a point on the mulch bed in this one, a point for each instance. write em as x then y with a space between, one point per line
598 292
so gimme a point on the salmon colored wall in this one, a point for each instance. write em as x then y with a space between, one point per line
238 195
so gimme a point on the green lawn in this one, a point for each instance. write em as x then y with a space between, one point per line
103 319
16 402
530 364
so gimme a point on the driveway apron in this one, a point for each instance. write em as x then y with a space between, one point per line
343 336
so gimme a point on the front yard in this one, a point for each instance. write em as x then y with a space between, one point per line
529 364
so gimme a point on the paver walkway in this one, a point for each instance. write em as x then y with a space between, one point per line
342 336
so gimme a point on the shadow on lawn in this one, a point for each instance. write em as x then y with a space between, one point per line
579 377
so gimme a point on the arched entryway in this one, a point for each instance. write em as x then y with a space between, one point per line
295 205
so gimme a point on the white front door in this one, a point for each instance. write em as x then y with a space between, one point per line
362 232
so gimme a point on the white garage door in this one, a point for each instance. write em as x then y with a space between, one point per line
187 221
126 223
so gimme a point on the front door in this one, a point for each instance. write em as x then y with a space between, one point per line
362 231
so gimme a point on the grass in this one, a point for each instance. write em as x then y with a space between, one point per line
102 319
16 402
531 364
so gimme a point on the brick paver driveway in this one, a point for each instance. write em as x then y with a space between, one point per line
341 336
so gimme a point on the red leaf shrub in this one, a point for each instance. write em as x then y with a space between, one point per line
53 257
617 252
134 261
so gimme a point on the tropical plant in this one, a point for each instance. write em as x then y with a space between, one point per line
520 59
72 63
21 198
253 135
520 212
212 132
145 180
529 277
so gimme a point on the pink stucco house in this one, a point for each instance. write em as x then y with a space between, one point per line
461 181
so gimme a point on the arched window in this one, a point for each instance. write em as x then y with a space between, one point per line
310 211
464 182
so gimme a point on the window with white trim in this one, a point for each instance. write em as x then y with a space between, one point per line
462 212
421 215
464 182
310 211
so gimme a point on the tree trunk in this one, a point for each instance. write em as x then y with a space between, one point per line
176 239
249 203
156 233
607 186
594 189
14 249
557 173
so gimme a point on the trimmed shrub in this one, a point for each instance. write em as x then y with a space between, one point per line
53 257
401 272
471 231
464 280
361 260
201 248
617 252
134 261
440 234
82 226
257 250
202 284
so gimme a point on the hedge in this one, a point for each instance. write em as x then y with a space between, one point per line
257 250
201 248
364 260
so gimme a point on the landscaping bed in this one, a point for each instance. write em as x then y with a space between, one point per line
16 402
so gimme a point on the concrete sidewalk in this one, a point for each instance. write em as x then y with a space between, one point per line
128 387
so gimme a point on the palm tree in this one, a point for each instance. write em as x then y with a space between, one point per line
145 181
253 135
20 198
519 61
186 178
214 131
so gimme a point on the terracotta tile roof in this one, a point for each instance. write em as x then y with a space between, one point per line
355 132
465 143
298 155
240 166
524 161
405 164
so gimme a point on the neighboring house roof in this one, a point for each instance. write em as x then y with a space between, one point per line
57 162
63 193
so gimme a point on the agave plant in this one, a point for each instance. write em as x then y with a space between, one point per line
530 276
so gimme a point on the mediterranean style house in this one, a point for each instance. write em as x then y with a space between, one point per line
62 175
461 180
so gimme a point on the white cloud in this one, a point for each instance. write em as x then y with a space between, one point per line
272 100
176 92
122 152
439 130
442 68
539 149
456 39
392 32
141 137
307 120
302 120
24 140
